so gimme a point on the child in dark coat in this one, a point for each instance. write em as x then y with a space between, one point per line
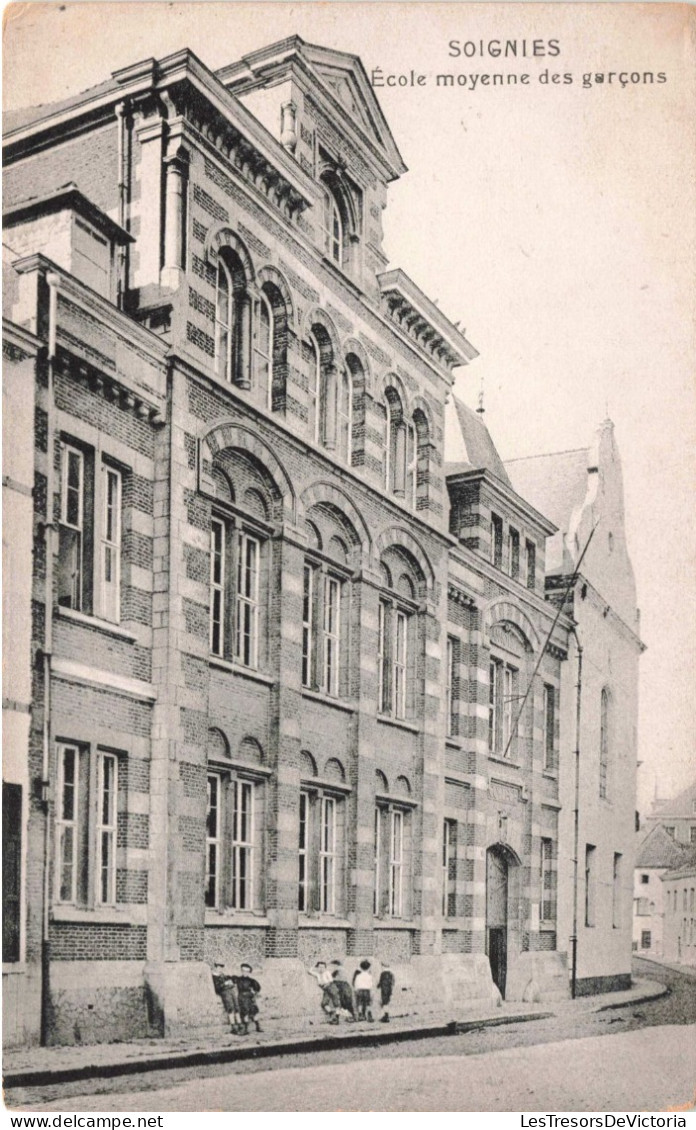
247 990
224 986
385 986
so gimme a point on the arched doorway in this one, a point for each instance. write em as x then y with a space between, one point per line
499 859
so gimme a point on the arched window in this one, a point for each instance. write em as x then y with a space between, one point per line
263 349
604 744
357 421
313 387
344 415
333 227
401 449
232 321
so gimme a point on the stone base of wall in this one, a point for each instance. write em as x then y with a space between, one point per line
611 983
104 1002
97 1002
537 976
181 998
21 1006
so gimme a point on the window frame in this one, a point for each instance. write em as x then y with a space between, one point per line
324 626
236 842
94 829
322 816
392 860
231 603
550 759
513 553
449 867
503 678
396 652
69 450
263 360
111 519
604 752
497 540
548 899
530 564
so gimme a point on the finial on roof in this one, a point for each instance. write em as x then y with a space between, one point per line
480 408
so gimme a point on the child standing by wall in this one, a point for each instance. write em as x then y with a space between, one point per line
362 983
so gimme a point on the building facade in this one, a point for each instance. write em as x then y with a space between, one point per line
297 690
657 853
677 816
680 912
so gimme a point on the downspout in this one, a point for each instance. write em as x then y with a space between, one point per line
49 540
122 201
576 822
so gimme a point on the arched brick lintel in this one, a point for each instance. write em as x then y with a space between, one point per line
499 610
226 434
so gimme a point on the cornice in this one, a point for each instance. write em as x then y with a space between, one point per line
505 492
419 318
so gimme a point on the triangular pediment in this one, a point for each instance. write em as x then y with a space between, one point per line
335 77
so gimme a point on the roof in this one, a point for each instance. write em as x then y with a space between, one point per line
658 849
555 484
468 444
67 196
679 806
17 119
686 867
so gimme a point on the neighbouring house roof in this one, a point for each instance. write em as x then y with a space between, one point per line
658 849
685 869
681 805
468 444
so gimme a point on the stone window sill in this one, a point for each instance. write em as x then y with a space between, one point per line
237 669
230 918
504 761
392 924
323 922
125 914
94 622
328 700
400 723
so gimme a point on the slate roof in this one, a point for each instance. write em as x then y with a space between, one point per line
17 119
468 445
658 849
555 484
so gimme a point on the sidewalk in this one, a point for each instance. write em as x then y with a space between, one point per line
42 1066
687 970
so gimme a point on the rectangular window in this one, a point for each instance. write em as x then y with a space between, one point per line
86 823
11 871
327 856
247 601
645 939
449 868
392 862
233 831
670 831
383 664
212 851
548 882
616 892
331 640
321 853
89 535
589 885
307 626
217 587
642 906
549 728
692 834
452 686
497 541
400 658
396 857
107 793
645 878
502 708
71 530
111 543
242 887
514 553
303 885
530 552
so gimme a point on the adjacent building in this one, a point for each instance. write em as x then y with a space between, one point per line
657 853
302 677
680 911
677 816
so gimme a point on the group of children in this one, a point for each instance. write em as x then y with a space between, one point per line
340 997
352 1000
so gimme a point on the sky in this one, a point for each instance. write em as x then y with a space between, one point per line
555 220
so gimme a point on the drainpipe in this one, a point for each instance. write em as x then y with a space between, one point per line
49 539
576 822
121 155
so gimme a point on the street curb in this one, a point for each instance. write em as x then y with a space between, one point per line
32 1077
655 995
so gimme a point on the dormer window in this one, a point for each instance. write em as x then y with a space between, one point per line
340 221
